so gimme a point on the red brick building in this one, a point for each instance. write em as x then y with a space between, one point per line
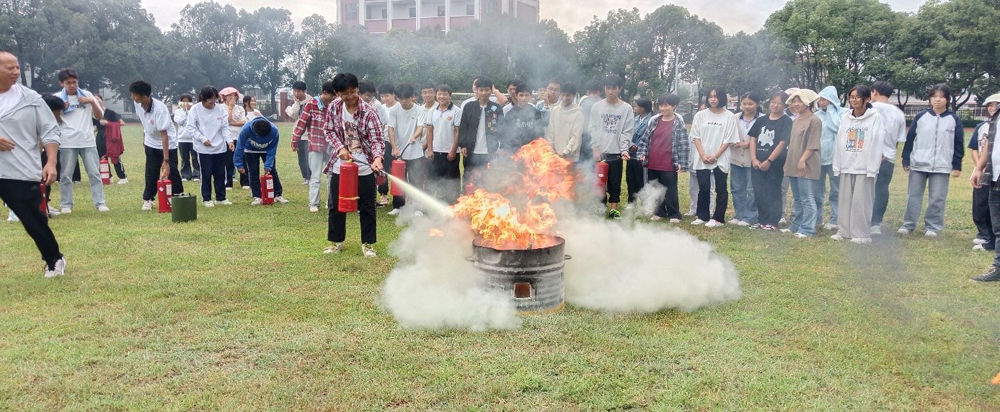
380 16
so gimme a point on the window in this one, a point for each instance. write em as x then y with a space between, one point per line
470 10
385 13
440 11
352 12
413 12
491 7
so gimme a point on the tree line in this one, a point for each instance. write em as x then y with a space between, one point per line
807 43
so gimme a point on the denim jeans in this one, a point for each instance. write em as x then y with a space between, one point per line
804 203
826 174
743 197
67 157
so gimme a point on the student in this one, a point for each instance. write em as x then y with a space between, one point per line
495 95
521 125
830 113
442 146
294 113
250 108
635 174
934 147
27 123
512 92
856 159
109 139
208 126
744 204
712 131
387 99
985 238
258 142
768 139
663 150
565 130
553 91
895 125
354 132
309 129
77 141
611 133
159 141
594 90
478 131
237 118
403 120
802 165
190 168
56 105
985 175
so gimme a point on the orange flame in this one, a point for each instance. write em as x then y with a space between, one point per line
996 380
546 178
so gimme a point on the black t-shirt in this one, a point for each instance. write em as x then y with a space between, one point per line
110 116
769 133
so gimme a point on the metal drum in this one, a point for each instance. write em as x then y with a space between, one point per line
533 278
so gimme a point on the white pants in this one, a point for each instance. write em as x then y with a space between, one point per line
317 161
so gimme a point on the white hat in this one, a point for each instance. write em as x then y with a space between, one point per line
994 98
807 96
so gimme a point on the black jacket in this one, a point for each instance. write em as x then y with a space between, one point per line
469 126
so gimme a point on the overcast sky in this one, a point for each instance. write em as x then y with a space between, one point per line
571 15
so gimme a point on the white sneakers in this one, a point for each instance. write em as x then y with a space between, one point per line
714 223
655 218
393 212
58 270
65 211
861 240
313 209
697 222
209 203
368 250
226 202
147 205
837 237
281 199
11 217
830 226
103 208
801 235
675 220
334 248
903 231
256 202
875 230
978 248
123 181
930 233
978 241
786 230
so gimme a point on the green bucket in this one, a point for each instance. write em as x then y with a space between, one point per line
184 208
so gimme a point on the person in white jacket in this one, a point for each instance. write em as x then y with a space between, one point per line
857 156
190 167
208 126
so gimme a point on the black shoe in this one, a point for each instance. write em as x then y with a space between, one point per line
991 275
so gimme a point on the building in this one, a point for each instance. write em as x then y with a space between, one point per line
380 16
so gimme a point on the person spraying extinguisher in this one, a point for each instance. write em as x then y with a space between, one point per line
258 141
354 132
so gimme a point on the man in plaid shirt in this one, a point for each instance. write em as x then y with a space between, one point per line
310 126
353 131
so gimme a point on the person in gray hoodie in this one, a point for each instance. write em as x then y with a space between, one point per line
611 133
830 113
934 147
27 124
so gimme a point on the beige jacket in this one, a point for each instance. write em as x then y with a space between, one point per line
565 130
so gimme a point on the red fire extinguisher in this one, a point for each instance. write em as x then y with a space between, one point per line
105 169
399 172
602 175
348 192
164 191
266 189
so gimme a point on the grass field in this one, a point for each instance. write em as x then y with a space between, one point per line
240 311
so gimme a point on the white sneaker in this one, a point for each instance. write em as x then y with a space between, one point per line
123 181
837 237
734 222
978 248
61 266
830 226
226 202
801 235
655 218
334 248
305 182
393 212
675 220
742 223
246 187
313 209
786 230
195 179
368 250
903 231
147 205
53 211
281 199
861 240
930 233
782 221
229 188
714 223
65 211
255 202
978 241
103 208
875 230
208 203
689 214
11 217
698 222
183 179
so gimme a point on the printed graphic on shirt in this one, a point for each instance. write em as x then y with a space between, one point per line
766 138
611 122
351 137
856 139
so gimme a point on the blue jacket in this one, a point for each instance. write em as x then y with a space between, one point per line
249 142
934 144
831 123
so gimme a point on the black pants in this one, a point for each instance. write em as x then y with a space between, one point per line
25 199
154 162
614 190
444 177
416 175
474 164
669 207
635 178
981 216
337 222
213 174
231 170
254 162
882 191
705 194
767 193
190 164
102 151
387 159
303 155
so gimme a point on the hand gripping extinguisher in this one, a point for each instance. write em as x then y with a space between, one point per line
602 176
399 172
105 169
267 189
164 190
347 198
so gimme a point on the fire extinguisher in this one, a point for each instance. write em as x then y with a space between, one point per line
164 191
267 189
105 169
602 175
348 192
399 172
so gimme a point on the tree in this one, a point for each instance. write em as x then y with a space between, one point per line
269 38
743 63
621 44
680 39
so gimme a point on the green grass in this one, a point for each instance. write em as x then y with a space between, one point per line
240 310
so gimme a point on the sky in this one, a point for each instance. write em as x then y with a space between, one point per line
571 15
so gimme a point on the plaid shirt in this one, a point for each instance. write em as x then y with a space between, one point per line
312 120
369 131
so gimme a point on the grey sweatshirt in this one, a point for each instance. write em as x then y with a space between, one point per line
29 124
611 128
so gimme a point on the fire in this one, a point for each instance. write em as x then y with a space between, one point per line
500 224
996 380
